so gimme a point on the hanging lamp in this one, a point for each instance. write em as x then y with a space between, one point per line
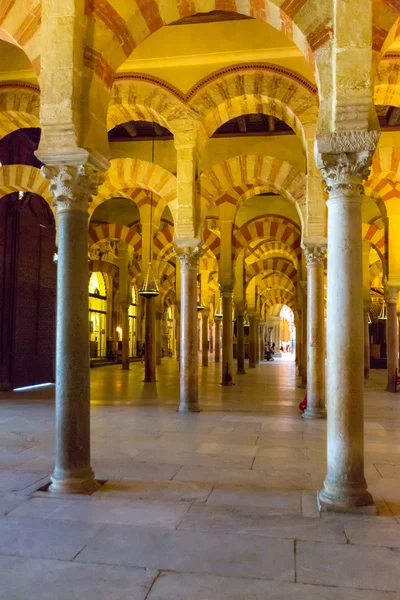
150 287
383 313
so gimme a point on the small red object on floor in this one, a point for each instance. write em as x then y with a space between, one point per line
303 404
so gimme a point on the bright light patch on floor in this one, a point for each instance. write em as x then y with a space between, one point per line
31 387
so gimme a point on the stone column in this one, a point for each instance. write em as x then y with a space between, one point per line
257 341
189 393
123 264
211 336
150 342
262 341
178 334
125 334
392 336
240 344
217 339
252 341
314 256
72 188
303 286
227 337
204 337
367 359
345 487
158 329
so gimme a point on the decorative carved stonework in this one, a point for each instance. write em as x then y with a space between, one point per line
348 142
189 257
391 293
344 173
72 187
314 255
226 291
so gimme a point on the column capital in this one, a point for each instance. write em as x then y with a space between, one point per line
314 255
391 292
72 186
344 159
226 290
189 257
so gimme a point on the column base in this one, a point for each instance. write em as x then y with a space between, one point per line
204 364
314 413
303 386
74 485
125 367
241 371
391 387
366 373
352 499
227 384
189 408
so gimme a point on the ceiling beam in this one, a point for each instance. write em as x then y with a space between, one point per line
242 124
271 123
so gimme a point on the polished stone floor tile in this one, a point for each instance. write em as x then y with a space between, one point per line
156 490
368 567
22 578
192 551
256 496
268 522
381 531
42 538
182 586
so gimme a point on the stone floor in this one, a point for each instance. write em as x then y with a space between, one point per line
212 506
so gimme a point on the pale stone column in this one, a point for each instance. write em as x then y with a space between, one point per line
392 336
158 337
218 339
150 342
204 338
257 341
240 344
227 337
345 487
314 256
252 341
178 333
189 393
125 334
297 322
303 287
367 359
123 264
72 188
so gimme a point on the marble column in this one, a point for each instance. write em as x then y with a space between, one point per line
150 342
125 334
303 287
240 344
257 341
218 339
345 487
227 337
204 338
367 359
123 264
72 189
315 333
392 336
252 341
178 334
158 329
189 393
211 336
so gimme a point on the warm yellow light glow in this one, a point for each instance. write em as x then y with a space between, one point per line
119 331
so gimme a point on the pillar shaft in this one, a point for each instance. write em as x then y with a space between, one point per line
257 341
303 285
345 488
211 337
158 330
125 334
252 342
204 338
227 338
392 341
189 394
150 342
315 333
218 340
72 188
240 344
262 341
367 359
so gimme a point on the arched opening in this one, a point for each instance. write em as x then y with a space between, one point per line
133 328
287 331
97 315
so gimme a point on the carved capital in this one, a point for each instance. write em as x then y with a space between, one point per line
391 293
226 291
189 257
344 173
348 142
314 255
72 187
